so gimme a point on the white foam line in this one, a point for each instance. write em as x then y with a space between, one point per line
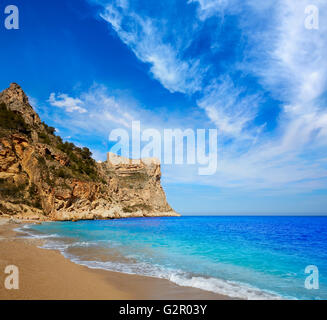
215 285
26 229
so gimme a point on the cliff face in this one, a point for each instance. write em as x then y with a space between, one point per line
44 178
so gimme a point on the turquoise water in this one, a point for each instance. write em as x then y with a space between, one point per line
243 257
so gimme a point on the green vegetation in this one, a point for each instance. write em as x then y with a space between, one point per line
44 138
33 191
142 207
81 161
49 130
81 164
63 173
20 194
11 190
11 120
34 196
42 162
135 181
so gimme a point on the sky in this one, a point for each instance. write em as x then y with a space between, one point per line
250 69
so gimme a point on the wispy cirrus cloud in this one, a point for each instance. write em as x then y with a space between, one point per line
285 61
290 63
148 38
145 37
293 68
227 109
209 8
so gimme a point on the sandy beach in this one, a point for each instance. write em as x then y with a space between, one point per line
47 274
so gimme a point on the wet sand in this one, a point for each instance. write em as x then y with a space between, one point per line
47 274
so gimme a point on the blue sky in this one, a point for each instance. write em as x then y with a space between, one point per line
248 68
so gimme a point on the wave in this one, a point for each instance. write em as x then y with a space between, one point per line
28 234
219 286
225 287
214 285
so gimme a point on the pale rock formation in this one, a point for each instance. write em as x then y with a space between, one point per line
41 178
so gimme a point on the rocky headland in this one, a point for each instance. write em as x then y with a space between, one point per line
44 178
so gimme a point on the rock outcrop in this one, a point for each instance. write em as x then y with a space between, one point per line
44 178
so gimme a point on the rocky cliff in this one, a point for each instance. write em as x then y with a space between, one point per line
44 178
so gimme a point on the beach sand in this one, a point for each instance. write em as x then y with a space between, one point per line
47 274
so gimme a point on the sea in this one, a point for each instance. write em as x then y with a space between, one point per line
246 257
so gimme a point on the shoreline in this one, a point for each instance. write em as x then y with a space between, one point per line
47 275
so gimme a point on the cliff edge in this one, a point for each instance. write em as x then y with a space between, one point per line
44 178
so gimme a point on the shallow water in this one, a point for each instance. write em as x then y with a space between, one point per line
243 257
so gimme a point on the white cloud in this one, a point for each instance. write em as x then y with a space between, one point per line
209 8
109 108
220 99
289 63
226 108
145 37
292 61
68 103
295 71
104 110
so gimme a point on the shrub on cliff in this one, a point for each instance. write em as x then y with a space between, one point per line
81 161
11 120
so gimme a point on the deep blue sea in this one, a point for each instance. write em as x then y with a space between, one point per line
243 257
